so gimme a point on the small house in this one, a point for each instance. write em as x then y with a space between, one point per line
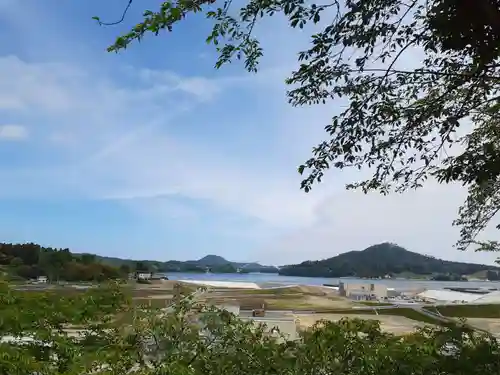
42 279
143 275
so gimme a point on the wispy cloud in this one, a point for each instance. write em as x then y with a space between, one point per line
126 145
12 132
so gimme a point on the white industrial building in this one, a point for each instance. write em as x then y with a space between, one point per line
363 291
493 297
450 296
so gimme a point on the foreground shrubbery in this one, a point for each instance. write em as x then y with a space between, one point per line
170 342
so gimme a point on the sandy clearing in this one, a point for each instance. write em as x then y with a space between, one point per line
490 325
285 301
328 303
394 324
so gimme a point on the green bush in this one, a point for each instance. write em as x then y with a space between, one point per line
192 339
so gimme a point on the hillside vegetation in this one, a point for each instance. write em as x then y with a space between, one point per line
29 260
381 260
213 263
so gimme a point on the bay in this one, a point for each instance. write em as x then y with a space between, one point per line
271 279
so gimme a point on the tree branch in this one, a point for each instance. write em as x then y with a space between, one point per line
125 11
423 72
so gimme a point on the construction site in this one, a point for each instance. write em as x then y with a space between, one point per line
295 308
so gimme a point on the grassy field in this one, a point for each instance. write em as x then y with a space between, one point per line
373 303
403 312
397 325
455 311
411 314
468 311
288 298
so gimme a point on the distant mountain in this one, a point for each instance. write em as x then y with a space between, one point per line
218 261
211 260
381 260
214 263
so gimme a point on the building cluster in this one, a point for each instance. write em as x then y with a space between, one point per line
458 297
146 276
380 292
363 291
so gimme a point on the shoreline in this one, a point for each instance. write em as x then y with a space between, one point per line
223 284
272 280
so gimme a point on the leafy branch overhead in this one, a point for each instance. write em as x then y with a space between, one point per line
420 78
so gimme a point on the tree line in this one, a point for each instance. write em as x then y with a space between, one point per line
188 267
30 260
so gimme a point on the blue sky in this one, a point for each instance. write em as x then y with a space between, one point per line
153 154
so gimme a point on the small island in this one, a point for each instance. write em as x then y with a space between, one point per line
213 264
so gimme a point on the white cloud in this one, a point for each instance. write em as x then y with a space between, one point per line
122 145
418 220
12 132
200 87
153 166
37 87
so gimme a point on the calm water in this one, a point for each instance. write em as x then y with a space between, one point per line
269 279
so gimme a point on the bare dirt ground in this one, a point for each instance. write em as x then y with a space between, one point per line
490 325
296 298
159 285
157 294
394 324
160 296
307 302
287 298
158 288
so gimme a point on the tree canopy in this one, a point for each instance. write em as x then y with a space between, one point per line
29 261
405 121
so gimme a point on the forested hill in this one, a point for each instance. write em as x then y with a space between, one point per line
29 260
381 260
213 263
